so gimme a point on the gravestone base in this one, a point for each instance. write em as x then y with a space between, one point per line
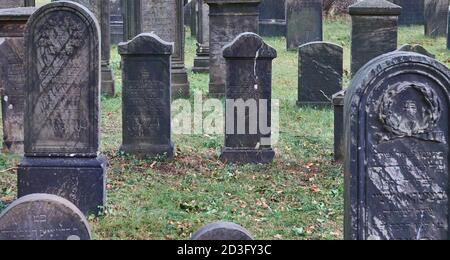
79 180
108 88
244 156
142 151
216 90
274 28
180 83
201 61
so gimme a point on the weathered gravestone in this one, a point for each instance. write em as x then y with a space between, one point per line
15 3
248 100
417 49
62 107
227 19
412 11
43 217
102 12
320 73
304 22
436 17
338 105
201 61
146 96
116 22
222 231
12 75
397 144
374 30
272 18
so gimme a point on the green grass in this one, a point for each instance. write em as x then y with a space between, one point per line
298 196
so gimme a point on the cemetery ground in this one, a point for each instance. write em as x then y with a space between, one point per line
298 196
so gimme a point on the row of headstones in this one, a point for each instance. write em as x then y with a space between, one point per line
49 217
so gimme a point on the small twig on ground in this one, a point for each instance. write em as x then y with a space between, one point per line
8 170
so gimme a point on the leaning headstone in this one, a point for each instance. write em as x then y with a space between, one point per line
304 22
436 17
116 22
43 217
248 100
272 18
222 231
374 30
412 11
62 112
201 61
146 96
12 75
338 105
227 19
417 49
320 73
397 146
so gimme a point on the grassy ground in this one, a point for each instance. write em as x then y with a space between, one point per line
298 196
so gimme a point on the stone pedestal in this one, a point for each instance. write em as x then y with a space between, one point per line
201 61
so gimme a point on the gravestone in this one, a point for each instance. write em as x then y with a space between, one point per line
412 12
374 30
62 107
131 18
102 11
227 19
320 73
338 105
146 96
12 75
193 19
222 231
272 18
248 100
43 217
15 3
201 61
417 49
436 17
396 135
116 22
304 22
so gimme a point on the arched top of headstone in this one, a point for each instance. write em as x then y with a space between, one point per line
375 8
249 45
222 231
146 43
43 217
417 49
312 45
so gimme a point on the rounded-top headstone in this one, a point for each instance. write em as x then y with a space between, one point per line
43 217
222 231
374 7
249 45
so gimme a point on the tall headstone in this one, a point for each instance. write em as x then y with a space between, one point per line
227 19
43 217
116 22
248 100
222 231
146 96
131 18
272 18
436 17
397 146
412 11
304 22
62 114
374 30
201 61
193 19
321 69
12 75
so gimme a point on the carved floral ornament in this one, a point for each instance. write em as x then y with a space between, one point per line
411 117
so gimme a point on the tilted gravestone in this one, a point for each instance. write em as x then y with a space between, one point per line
436 17
12 75
248 100
417 49
62 107
43 217
146 96
116 22
374 30
222 231
272 18
227 19
412 11
304 22
397 146
102 12
201 61
320 75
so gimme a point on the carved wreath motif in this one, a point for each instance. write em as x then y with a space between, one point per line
412 120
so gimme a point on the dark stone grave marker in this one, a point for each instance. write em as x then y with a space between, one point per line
436 17
412 12
272 18
201 61
304 22
116 22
